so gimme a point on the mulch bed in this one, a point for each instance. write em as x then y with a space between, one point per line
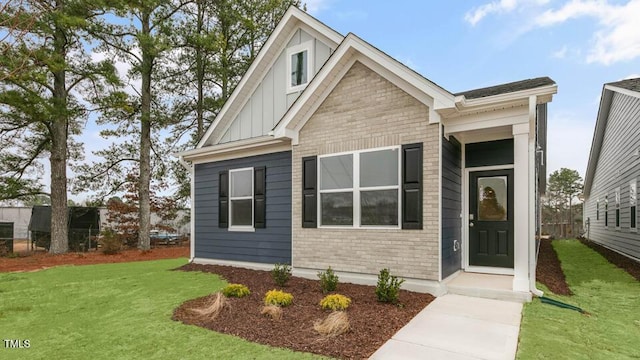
372 323
619 260
548 270
42 260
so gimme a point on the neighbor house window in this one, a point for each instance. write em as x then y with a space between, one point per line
360 189
617 208
299 66
241 198
598 209
632 204
606 210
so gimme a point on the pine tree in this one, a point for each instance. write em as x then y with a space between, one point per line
42 74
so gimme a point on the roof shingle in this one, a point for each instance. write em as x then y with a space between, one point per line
629 84
507 88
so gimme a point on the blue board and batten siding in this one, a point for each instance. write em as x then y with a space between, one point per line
617 165
269 245
451 206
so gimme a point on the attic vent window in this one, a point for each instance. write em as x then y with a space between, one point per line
299 66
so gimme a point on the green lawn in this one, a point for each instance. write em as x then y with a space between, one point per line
114 311
611 296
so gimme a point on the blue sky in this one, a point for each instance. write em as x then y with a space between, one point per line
462 45
467 44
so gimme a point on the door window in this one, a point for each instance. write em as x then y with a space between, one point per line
492 198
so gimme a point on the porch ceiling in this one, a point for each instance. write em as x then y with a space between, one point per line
480 135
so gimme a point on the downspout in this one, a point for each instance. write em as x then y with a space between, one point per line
191 169
533 196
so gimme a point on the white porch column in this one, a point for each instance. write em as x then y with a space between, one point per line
521 206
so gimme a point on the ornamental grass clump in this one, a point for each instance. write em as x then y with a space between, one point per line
281 274
236 290
328 280
388 287
335 302
214 308
337 323
272 311
278 298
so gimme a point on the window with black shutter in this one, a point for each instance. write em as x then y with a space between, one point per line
412 186
309 192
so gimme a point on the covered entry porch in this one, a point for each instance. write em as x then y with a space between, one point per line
501 158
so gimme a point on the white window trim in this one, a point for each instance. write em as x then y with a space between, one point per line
246 228
633 183
617 213
309 47
356 189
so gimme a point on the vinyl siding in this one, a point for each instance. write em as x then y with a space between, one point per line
451 206
616 166
269 245
268 103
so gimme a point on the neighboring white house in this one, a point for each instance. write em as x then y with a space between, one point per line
613 172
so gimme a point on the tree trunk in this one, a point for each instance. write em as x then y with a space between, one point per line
145 136
58 158
200 71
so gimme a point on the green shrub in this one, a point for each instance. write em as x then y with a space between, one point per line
236 290
335 302
111 243
328 280
388 287
281 273
278 298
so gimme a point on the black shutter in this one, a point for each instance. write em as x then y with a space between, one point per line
223 199
309 192
412 186
259 197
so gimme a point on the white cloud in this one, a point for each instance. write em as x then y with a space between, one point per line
475 15
560 54
631 76
316 6
617 37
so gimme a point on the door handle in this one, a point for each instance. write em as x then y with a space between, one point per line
470 223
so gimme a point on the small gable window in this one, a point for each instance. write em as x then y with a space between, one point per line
299 66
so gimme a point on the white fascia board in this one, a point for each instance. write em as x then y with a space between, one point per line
292 14
444 98
624 91
427 92
491 102
598 136
254 146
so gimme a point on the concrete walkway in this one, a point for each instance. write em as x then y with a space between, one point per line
458 327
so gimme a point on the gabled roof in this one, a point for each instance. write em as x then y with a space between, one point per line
441 103
293 19
507 88
354 49
629 87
